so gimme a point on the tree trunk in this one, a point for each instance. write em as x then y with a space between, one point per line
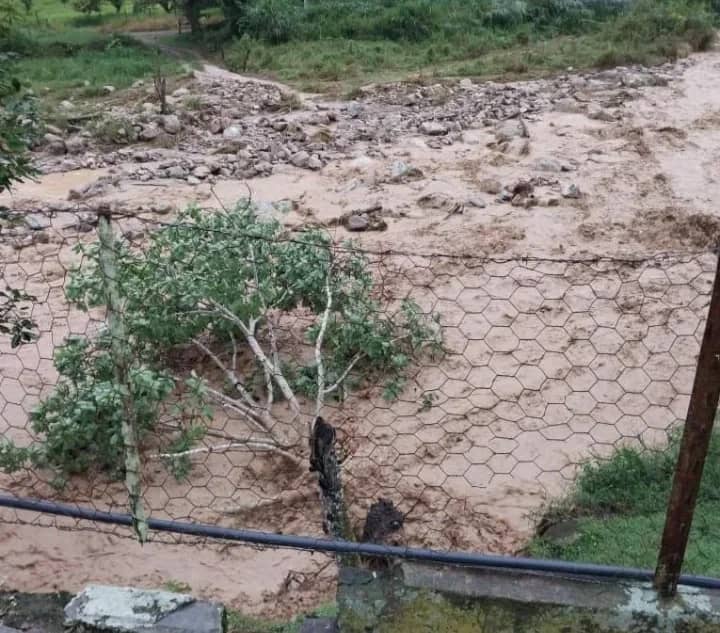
192 13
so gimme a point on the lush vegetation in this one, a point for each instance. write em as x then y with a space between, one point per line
376 39
228 285
619 506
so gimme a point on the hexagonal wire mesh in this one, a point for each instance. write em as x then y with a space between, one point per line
546 364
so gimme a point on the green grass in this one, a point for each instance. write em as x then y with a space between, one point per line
620 504
334 43
55 14
239 623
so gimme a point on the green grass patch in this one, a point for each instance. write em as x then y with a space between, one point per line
78 62
354 43
619 505
239 623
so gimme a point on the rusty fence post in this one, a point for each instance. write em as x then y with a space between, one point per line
693 452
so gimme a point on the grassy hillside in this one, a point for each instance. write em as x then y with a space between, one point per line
363 40
618 507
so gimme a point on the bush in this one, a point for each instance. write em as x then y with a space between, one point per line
274 21
219 279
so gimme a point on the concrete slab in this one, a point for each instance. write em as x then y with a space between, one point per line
128 610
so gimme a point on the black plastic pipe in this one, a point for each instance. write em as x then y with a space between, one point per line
348 547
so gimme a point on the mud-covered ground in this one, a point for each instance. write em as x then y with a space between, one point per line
619 162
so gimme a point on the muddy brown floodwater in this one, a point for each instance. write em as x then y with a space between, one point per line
620 162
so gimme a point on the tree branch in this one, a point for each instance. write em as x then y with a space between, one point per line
358 357
320 399
249 333
250 444
229 374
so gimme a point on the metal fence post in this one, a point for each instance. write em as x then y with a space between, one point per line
693 452
121 360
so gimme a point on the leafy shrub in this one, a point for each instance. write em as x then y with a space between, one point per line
80 421
274 21
218 277
18 127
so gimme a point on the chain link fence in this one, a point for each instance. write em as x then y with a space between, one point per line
545 364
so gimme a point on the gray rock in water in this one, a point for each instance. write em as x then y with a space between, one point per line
126 610
149 133
402 171
571 191
171 124
37 221
201 171
600 114
476 202
357 223
232 132
176 172
300 159
433 128
491 186
548 164
510 129
75 145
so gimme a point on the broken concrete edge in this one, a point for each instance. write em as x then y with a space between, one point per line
412 596
130 610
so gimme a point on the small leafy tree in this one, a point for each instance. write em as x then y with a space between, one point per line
227 284
18 126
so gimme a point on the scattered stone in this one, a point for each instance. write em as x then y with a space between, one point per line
511 129
571 191
67 105
55 144
176 171
491 186
149 133
139 83
370 207
357 223
193 180
466 83
300 159
478 203
433 128
75 145
122 609
548 164
232 132
171 124
181 92
401 171
314 163
37 221
442 202
52 129
201 171
596 113
108 90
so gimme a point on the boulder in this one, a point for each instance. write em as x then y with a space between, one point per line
149 133
171 123
37 221
75 145
433 128
300 159
127 610
571 190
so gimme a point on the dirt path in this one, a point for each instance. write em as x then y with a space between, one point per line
622 162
